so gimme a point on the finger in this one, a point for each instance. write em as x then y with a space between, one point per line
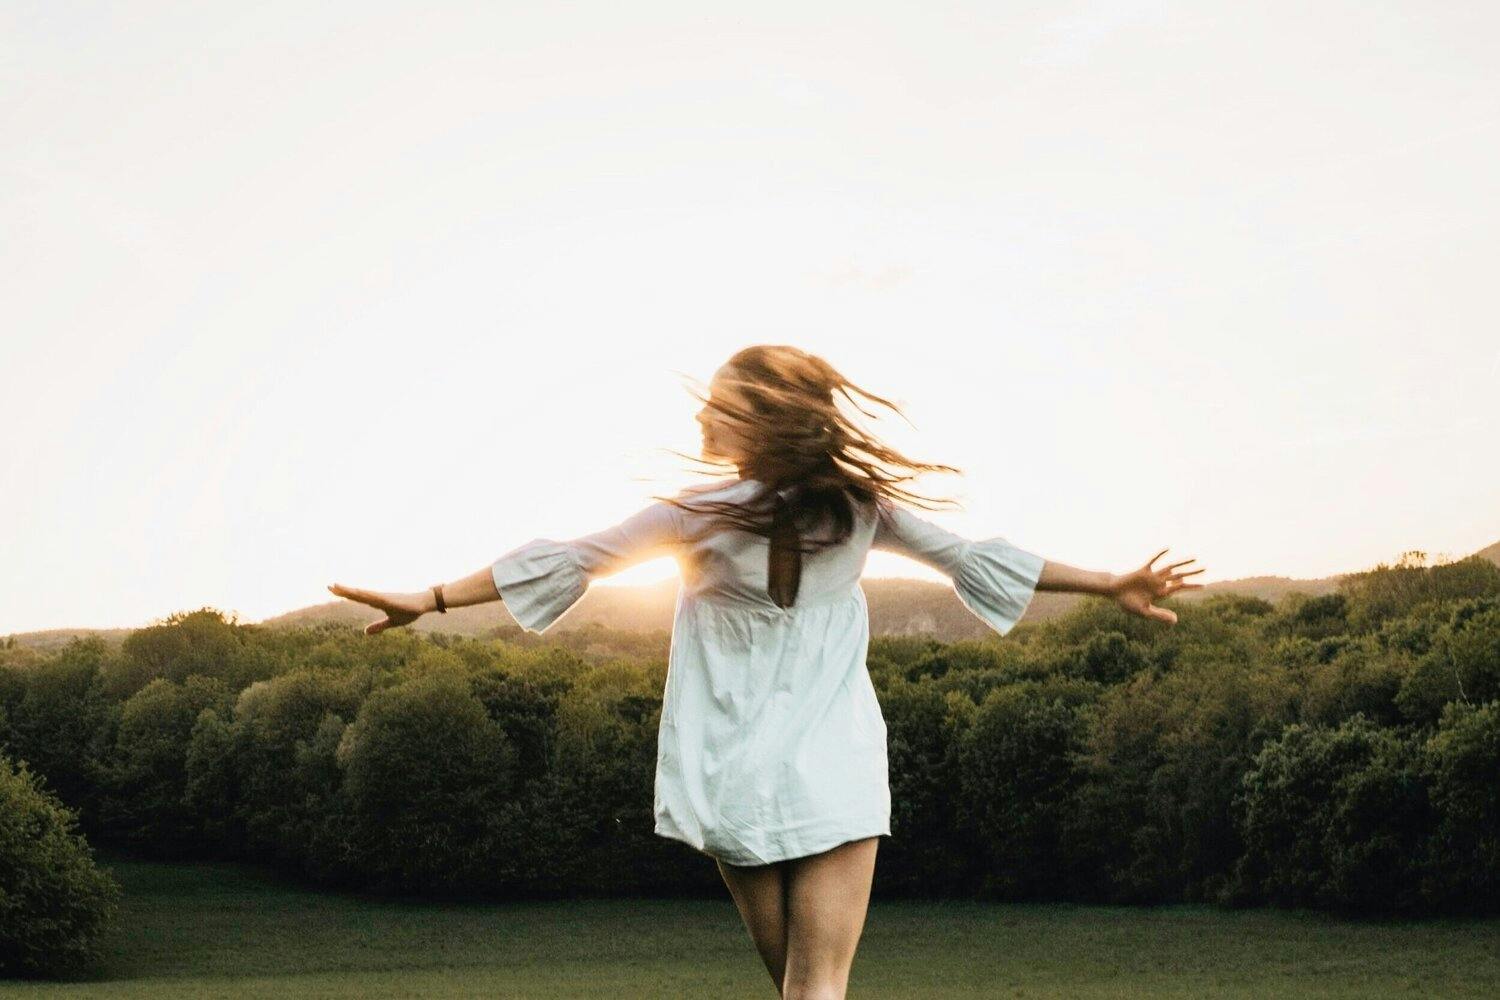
370 597
1164 614
343 591
1188 573
1183 563
1178 578
379 626
1154 558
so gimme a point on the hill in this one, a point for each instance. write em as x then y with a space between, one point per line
898 606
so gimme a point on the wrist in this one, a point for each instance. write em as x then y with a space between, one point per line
1110 584
427 601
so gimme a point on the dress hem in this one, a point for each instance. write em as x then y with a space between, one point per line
788 850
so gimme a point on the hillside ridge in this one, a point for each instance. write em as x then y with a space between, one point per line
898 606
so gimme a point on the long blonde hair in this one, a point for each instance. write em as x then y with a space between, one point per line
813 460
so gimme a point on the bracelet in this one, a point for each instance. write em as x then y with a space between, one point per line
442 606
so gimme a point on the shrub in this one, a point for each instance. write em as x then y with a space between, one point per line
1462 663
1300 615
63 724
209 790
1161 761
275 722
1015 772
54 902
1335 818
200 642
583 819
1387 592
1471 646
924 855
144 805
1106 658
1463 760
426 770
1362 678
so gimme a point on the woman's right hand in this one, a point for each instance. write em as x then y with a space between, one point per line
400 609
1135 591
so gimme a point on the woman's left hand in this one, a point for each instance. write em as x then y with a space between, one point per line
400 609
1135 591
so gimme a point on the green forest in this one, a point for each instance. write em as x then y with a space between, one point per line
1337 752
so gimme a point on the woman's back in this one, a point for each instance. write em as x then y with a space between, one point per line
736 566
993 578
771 743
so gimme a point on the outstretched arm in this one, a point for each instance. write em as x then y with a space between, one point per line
403 608
1134 590
994 567
1070 579
539 580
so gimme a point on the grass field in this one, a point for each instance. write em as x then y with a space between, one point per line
232 931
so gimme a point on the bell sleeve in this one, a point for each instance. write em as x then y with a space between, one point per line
993 578
543 578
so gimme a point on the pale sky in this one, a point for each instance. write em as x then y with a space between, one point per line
371 293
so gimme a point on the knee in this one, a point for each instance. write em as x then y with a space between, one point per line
806 990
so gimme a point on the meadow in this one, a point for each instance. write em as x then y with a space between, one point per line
232 930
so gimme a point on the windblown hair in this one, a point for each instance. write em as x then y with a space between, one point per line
814 460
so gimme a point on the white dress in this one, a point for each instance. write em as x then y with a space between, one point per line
771 743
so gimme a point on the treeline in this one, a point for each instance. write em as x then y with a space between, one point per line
1339 752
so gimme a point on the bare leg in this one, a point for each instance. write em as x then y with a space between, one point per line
827 897
759 892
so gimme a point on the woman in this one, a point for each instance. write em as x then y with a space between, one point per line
772 748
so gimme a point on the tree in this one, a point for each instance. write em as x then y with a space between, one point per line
55 903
